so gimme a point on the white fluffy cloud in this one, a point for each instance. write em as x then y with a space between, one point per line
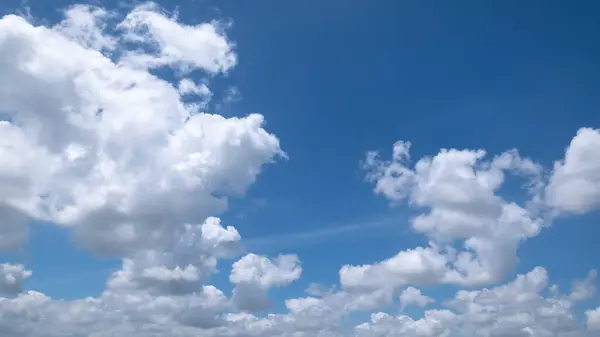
254 275
518 308
93 141
593 319
575 183
186 47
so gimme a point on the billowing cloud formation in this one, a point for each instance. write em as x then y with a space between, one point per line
11 277
94 141
458 190
191 256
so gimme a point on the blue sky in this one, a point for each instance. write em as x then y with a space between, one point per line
335 79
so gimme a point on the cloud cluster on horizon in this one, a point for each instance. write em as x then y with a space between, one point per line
94 141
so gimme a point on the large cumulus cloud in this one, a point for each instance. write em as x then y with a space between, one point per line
108 149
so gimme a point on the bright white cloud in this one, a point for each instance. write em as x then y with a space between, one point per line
93 141
435 323
264 272
413 266
187 86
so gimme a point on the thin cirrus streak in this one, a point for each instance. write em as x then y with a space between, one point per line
319 236
74 278
270 243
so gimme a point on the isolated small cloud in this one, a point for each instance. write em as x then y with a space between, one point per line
413 296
